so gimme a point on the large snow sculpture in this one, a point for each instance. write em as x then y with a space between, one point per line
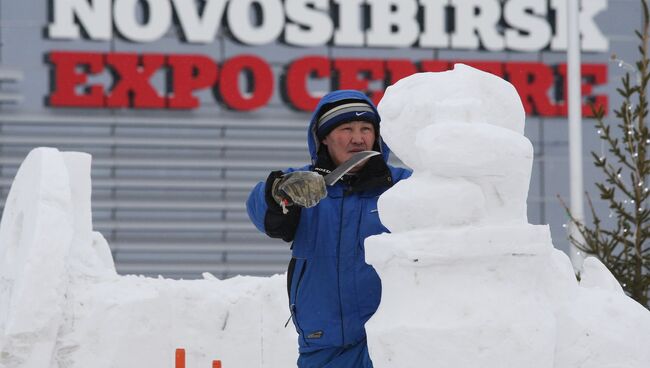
63 305
467 282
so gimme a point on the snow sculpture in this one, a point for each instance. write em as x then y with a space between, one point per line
471 161
31 301
467 282
63 305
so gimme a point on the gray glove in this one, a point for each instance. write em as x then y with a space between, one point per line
303 188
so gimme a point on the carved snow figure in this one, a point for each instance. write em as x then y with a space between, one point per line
467 282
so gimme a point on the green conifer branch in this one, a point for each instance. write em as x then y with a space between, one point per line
623 243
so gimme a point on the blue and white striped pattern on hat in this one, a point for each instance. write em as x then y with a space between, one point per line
351 111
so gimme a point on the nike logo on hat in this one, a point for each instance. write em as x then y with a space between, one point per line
360 113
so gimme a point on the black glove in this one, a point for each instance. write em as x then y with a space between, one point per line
302 188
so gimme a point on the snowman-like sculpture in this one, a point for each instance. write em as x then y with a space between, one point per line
467 282
471 162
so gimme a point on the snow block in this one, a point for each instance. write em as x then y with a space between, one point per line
62 304
36 233
463 297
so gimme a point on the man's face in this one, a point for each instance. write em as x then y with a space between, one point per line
349 138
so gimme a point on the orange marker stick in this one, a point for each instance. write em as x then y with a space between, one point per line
180 358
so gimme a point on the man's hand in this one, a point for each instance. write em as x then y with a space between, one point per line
302 188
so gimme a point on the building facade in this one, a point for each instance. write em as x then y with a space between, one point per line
185 104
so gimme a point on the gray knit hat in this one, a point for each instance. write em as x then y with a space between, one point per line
343 112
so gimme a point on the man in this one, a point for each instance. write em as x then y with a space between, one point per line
332 291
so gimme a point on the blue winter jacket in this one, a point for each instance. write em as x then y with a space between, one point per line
332 291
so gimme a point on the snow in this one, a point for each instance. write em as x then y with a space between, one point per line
467 282
471 162
596 275
63 305
463 95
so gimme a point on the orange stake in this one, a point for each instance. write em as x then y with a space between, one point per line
216 364
180 358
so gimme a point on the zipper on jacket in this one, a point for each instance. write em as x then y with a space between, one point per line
338 266
291 315
295 319
292 306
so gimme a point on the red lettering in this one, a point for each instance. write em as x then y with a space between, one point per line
349 72
597 73
434 66
398 69
493 67
533 81
189 73
67 78
260 81
297 75
133 80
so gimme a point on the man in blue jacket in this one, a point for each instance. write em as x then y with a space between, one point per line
332 291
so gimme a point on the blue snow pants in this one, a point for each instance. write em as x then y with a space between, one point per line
355 356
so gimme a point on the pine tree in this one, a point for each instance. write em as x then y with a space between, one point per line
622 244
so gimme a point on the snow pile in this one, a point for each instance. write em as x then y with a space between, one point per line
467 282
63 305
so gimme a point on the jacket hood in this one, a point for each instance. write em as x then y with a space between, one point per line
335 96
